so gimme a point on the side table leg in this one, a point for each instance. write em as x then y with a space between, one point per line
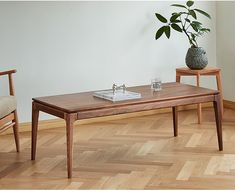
35 115
177 77
219 87
199 106
175 120
218 119
69 133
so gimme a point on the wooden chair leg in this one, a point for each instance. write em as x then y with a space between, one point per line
16 131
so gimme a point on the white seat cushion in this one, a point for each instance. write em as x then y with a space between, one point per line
7 105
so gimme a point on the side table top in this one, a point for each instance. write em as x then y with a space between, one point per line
207 70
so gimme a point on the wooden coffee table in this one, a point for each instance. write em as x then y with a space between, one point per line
72 107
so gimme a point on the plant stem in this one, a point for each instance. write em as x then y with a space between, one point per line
190 41
185 31
188 27
186 18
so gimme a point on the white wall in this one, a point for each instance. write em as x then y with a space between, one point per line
225 46
65 47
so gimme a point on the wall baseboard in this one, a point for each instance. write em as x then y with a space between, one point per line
55 123
229 104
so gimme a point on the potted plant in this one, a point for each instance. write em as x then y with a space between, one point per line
186 22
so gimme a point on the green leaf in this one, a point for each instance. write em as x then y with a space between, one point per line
194 27
203 13
189 3
193 14
188 20
176 21
197 23
167 31
205 30
174 17
193 36
161 18
178 5
160 32
176 27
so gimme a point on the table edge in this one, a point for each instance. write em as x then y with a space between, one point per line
123 104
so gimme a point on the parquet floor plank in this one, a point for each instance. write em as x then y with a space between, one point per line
134 153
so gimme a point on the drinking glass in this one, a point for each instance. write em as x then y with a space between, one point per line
156 84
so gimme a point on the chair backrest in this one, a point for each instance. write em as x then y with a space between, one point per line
10 79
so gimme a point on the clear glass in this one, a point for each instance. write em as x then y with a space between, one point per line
156 84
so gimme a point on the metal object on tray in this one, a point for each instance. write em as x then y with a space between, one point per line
115 88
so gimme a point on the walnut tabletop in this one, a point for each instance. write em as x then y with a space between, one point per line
86 101
73 107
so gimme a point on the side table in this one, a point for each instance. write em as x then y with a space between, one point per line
204 72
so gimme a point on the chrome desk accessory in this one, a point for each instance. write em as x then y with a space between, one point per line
115 88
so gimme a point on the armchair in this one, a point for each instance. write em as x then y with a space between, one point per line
8 112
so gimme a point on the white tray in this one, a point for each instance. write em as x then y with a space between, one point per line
119 95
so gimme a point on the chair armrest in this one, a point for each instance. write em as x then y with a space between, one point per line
7 72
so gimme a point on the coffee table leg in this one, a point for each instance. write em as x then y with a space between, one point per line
35 115
70 118
219 87
218 119
175 120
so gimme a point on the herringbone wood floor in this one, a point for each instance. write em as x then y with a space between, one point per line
134 153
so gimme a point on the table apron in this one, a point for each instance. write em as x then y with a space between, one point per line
144 106
50 110
126 108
